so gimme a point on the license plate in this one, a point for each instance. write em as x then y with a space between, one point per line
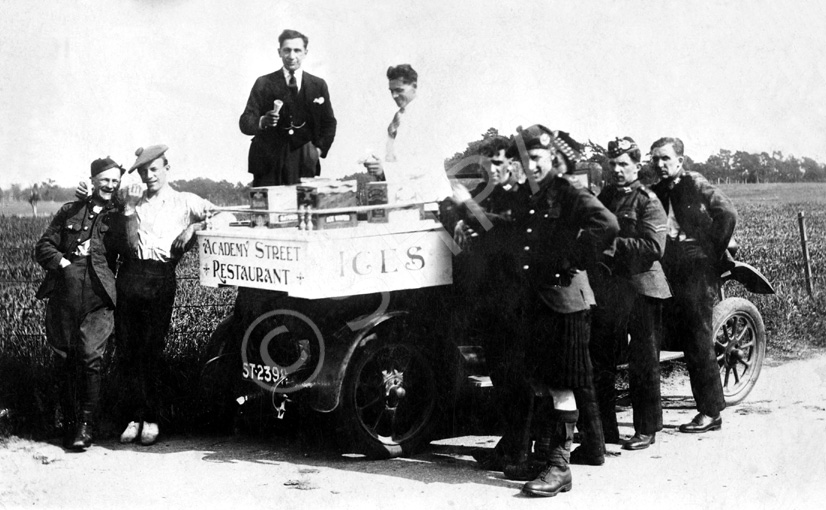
263 373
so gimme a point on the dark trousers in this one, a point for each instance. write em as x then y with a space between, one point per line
622 312
79 322
687 317
276 163
512 390
146 294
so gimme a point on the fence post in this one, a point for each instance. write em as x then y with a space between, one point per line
804 242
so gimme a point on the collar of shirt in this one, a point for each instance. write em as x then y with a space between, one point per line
299 76
160 196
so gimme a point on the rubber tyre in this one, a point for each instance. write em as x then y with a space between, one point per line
740 342
380 426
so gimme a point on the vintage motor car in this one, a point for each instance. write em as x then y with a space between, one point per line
351 311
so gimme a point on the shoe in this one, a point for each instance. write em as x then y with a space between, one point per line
131 432
586 457
83 437
550 482
68 435
525 471
639 441
149 433
702 423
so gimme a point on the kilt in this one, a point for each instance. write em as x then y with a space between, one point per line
557 352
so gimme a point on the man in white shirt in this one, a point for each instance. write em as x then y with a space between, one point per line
412 165
158 224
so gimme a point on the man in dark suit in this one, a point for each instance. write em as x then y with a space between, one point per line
290 118
701 221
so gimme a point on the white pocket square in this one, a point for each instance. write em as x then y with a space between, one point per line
318 100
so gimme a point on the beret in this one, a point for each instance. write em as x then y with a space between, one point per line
148 155
103 164
540 137
534 137
619 146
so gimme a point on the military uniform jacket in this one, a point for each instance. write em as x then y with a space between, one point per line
311 108
64 234
564 228
641 241
702 211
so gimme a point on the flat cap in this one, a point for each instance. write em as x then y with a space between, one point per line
103 164
148 155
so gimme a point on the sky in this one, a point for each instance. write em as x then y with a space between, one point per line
83 79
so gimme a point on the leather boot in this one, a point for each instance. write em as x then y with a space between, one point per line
67 408
592 448
533 465
83 436
556 477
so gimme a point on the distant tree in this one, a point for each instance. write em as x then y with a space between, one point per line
221 193
812 170
465 158
789 169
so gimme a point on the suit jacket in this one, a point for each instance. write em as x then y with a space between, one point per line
703 212
311 106
641 241
61 239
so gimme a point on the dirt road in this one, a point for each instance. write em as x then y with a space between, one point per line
771 453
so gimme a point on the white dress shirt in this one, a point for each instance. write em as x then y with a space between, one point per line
418 174
299 76
162 217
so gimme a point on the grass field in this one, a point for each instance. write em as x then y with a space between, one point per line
21 208
767 233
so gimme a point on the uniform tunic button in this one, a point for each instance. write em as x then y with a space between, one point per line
531 211
91 216
527 248
85 228
526 267
546 215
529 230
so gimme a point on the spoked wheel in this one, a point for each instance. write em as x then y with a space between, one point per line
740 343
389 400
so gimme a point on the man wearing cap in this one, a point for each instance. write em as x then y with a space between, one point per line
564 230
700 223
79 252
412 161
159 224
290 117
492 285
630 296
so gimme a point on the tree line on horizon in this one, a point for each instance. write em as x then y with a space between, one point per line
724 166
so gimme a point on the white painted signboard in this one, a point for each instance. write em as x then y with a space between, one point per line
316 264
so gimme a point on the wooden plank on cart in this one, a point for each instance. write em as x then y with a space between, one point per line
317 264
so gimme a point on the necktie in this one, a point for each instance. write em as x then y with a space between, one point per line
392 130
293 85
